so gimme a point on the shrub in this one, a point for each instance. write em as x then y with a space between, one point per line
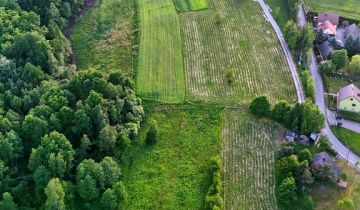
213 199
339 58
308 83
305 154
346 204
327 67
229 76
151 135
260 106
286 190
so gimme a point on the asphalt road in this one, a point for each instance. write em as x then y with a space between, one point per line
299 89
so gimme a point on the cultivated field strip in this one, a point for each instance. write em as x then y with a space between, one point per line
160 74
248 163
243 42
191 5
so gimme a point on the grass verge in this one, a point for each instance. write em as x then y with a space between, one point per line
348 137
280 11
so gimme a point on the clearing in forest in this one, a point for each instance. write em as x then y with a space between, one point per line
191 5
234 37
160 74
345 8
248 162
175 172
103 38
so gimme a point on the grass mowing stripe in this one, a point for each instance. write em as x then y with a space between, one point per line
160 73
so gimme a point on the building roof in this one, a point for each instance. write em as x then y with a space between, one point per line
327 27
323 158
353 30
326 49
333 18
349 91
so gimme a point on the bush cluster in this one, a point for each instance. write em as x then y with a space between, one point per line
213 199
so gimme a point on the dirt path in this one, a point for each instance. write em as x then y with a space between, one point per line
71 26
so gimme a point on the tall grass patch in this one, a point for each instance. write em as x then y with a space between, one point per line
104 37
174 173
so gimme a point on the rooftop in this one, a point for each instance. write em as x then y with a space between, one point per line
349 91
333 18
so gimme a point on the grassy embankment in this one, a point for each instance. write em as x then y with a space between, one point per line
280 11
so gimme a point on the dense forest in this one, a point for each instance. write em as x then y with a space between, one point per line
62 131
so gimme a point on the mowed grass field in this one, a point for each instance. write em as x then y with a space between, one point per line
160 74
191 5
103 38
248 162
345 8
243 42
175 172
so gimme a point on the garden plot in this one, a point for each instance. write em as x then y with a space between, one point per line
233 37
248 162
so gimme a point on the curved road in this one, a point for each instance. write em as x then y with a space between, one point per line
342 150
297 83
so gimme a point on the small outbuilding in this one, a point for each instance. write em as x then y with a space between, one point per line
342 184
290 136
333 18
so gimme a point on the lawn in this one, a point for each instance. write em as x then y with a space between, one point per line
280 11
348 137
248 161
103 38
333 84
345 8
160 73
174 174
191 5
234 37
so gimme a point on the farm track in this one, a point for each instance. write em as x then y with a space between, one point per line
252 53
248 162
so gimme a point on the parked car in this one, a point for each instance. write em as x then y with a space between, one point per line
339 124
338 117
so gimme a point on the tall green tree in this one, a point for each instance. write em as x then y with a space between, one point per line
339 58
55 195
260 106
287 191
291 34
55 153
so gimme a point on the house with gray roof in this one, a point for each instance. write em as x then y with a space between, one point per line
322 159
326 49
352 30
